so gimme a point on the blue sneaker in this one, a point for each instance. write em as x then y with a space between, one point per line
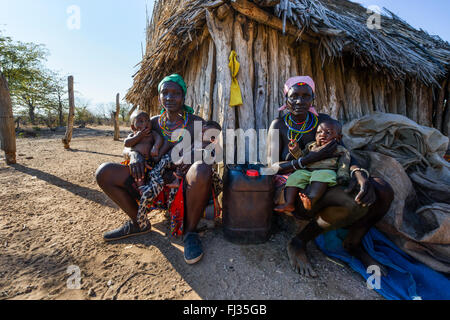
193 251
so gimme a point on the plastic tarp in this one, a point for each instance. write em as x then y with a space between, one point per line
410 157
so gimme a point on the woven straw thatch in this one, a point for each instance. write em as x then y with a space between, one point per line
337 27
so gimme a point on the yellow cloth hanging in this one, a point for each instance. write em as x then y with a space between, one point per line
235 94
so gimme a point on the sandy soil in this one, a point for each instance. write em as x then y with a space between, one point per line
53 216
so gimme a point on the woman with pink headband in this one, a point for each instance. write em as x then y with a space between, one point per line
339 207
300 80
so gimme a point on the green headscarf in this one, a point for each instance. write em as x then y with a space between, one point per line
178 80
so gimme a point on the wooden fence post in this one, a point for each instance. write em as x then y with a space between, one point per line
69 129
7 132
116 120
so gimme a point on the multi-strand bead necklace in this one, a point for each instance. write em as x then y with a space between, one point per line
167 133
294 135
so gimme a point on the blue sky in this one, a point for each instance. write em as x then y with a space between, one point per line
433 16
103 53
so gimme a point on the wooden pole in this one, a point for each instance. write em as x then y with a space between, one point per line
412 99
243 43
7 132
378 89
219 29
274 85
439 105
353 95
423 109
69 129
321 100
261 67
210 72
222 37
284 65
401 108
336 89
116 119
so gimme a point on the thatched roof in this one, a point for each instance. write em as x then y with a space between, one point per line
338 27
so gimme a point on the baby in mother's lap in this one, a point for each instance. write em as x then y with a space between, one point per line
311 182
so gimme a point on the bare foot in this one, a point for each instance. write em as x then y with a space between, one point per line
285 208
307 203
298 259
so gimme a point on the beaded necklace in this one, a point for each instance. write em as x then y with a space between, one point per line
167 133
307 126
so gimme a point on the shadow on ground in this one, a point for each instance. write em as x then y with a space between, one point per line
256 272
44 270
87 132
86 193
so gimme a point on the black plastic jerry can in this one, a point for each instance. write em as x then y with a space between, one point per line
248 201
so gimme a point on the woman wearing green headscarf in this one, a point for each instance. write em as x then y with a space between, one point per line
176 78
188 203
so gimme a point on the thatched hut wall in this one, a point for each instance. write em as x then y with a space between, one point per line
352 78
268 59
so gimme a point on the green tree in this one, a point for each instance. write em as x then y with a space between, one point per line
103 110
57 102
30 82
124 110
82 114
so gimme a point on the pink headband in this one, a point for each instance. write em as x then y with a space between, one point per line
295 80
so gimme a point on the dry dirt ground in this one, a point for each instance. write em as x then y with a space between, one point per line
53 216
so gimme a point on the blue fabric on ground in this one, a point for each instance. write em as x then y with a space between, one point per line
407 278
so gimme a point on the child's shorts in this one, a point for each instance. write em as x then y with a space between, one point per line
302 178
